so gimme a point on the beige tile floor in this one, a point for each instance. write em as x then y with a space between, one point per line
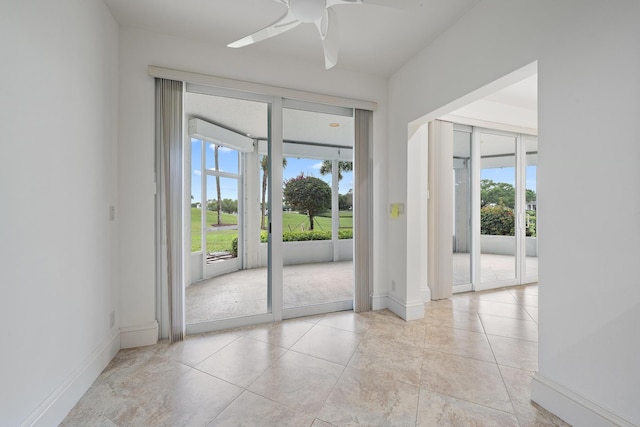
467 363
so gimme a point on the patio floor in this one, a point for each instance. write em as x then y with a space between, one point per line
493 268
244 292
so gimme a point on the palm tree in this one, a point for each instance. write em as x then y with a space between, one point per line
342 167
264 163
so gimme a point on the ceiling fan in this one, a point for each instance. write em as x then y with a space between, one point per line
318 12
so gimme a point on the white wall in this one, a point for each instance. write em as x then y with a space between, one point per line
310 252
589 101
58 119
138 49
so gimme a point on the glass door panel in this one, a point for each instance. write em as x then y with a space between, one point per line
498 248
317 227
228 265
461 211
530 211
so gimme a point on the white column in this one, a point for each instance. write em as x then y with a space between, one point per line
251 209
415 210
440 218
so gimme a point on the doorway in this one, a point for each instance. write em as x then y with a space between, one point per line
494 209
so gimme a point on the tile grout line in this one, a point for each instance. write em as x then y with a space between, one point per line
424 344
501 376
324 402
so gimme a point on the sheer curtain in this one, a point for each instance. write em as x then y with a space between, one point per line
169 170
362 211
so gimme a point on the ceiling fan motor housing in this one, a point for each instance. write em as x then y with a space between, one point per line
307 10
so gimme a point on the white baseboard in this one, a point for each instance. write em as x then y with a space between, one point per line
425 294
139 336
407 311
379 302
53 410
571 406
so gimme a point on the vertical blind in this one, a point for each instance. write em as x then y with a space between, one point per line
362 211
169 145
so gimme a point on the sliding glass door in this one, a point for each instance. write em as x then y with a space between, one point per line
494 209
271 230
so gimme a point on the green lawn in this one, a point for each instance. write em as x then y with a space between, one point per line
293 221
220 241
217 241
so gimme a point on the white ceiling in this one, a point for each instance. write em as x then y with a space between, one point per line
373 39
515 105
250 118
523 94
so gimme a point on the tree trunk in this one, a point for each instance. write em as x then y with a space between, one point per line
311 222
218 186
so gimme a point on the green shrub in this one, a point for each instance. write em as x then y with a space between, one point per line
531 229
298 236
345 234
497 221
302 236
234 246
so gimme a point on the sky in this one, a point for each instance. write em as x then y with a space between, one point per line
228 162
508 175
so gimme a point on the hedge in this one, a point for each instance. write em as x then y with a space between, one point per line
298 236
497 221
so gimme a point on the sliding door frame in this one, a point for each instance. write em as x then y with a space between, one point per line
520 195
275 98
520 153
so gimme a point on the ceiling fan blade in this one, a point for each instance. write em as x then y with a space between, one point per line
335 2
330 35
285 23
396 4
